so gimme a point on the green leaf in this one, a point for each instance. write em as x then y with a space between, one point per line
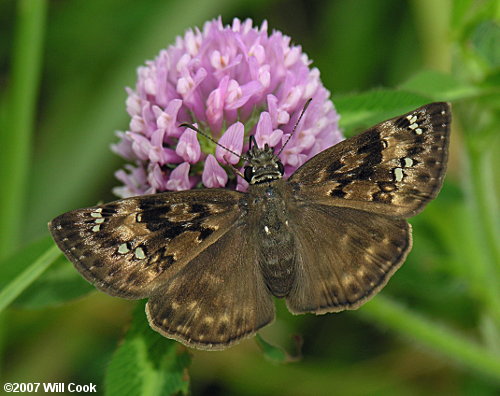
485 40
368 108
440 338
440 86
20 114
20 270
277 354
146 363
59 284
12 266
460 13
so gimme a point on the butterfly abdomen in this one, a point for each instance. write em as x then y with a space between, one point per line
277 263
276 243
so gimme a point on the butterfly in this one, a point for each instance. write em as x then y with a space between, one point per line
326 239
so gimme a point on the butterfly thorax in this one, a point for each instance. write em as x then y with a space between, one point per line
276 245
263 165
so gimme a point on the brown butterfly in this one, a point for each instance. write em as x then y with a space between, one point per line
327 239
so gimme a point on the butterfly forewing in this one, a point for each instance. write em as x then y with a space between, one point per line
128 248
395 167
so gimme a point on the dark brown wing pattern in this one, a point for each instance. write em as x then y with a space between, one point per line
350 205
395 167
128 248
344 257
218 299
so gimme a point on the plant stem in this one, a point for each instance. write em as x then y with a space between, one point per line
481 199
15 138
465 352
28 276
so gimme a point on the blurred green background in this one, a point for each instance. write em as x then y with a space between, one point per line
435 329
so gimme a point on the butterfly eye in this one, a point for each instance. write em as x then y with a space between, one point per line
248 173
281 168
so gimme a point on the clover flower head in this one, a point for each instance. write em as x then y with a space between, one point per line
230 82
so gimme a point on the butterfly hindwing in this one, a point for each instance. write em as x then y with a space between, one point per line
128 248
395 167
217 299
344 256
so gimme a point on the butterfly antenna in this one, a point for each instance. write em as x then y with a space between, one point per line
185 125
296 125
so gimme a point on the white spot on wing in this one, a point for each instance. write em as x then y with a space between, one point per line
398 174
139 253
123 248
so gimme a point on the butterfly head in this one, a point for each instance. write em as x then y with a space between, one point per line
263 164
